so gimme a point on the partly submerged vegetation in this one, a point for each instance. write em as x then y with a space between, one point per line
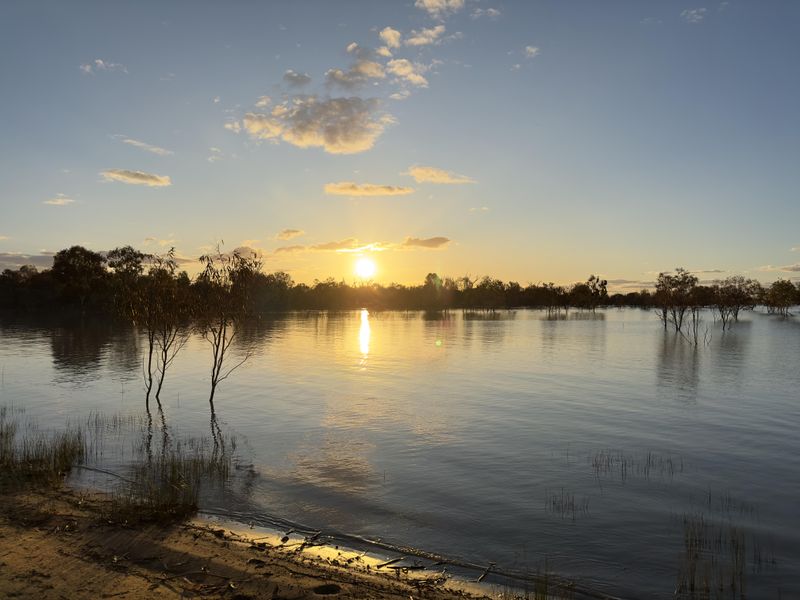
161 481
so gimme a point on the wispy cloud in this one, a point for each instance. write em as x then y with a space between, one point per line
354 245
289 249
693 15
350 188
795 249
169 241
439 9
407 71
795 268
98 65
425 37
491 13
433 175
4 237
144 146
295 79
476 209
337 125
400 95
136 177
288 234
531 51
390 37
432 242
59 200
216 154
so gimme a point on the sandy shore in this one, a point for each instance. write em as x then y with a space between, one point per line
55 544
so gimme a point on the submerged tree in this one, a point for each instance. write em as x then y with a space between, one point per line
780 297
674 295
734 294
224 299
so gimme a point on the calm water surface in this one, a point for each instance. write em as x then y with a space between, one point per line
585 441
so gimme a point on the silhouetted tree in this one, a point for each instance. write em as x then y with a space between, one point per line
80 275
674 296
734 294
780 296
224 294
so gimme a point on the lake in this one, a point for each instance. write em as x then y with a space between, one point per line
595 444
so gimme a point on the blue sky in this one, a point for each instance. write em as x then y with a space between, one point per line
534 141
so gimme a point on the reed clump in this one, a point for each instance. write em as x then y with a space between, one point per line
166 486
29 457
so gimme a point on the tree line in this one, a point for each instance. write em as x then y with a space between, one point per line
126 279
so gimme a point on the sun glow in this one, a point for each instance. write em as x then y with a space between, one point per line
365 268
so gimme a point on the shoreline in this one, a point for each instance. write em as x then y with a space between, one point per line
55 544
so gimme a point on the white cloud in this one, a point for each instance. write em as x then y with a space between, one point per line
215 99
234 126
295 79
439 9
145 146
59 200
795 249
337 125
406 70
288 234
490 13
101 65
531 51
432 242
4 237
475 209
350 188
694 15
136 177
434 175
263 101
390 37
401 95
384 52
425 37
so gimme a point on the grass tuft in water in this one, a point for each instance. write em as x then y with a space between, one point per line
28 457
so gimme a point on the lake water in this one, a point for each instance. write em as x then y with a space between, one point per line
589 441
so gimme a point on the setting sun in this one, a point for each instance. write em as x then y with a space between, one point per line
365 268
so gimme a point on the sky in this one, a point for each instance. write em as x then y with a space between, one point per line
531 141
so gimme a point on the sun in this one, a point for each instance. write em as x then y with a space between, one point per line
365 268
